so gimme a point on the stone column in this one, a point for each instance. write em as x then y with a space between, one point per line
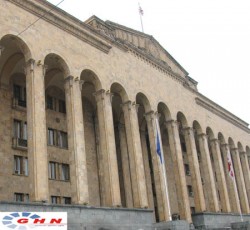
199 199
232 189
221 180
135 155
37 134
162 198
246 172
78 164
208 175
180 177
108 159
126 167
240 180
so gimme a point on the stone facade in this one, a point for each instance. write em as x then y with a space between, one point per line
80 107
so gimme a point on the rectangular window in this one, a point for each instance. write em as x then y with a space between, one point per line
190 191
62 106
51 136
67 200
183 147
24 130
187 169
21 197
21 165
17 128
52 170
64 172
20 133
62 139
50 103
19 93
55 200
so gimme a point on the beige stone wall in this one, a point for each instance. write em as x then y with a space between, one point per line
134 74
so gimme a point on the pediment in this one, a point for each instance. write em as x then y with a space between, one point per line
145 43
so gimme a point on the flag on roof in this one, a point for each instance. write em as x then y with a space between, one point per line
141 11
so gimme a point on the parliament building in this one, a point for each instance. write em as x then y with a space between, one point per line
81 107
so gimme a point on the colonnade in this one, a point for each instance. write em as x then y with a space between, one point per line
223 194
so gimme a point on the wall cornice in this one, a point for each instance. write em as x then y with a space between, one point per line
221 112
64 21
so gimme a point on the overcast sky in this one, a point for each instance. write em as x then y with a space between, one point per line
209 38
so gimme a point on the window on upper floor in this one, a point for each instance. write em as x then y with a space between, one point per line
62 106
50 102
20 134
52 170
190 191
51 136
62 139
57 138
64 172
21 165
19 95
55 104
187 169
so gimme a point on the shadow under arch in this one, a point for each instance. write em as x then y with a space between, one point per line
181 118
118 89
197 127
164 110
240 147
10 40
88 76
15 53
55 63
231 143
221 138
210 133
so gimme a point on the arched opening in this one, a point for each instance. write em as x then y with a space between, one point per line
58 151
92 137
202 162
143 110
164 115
14 54
124 160
213 157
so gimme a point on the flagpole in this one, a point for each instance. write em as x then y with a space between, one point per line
141 13
164 170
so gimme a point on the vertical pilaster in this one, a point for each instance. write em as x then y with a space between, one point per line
78 164
232 189
240 180
221 180
161 193
246 172
108 157
37 139
135 153
180 178
199 199
208 175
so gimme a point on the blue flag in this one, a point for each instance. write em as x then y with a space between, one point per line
158 146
